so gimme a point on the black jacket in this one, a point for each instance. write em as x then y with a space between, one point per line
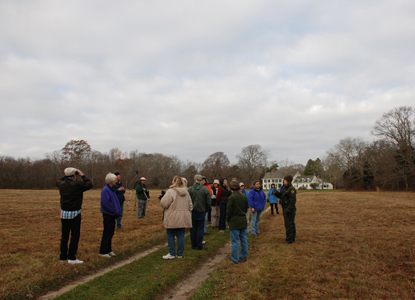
72 192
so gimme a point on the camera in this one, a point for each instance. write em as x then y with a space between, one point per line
162 194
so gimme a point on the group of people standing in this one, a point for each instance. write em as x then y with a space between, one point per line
183 208
227 202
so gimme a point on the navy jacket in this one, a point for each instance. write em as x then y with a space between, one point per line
120 194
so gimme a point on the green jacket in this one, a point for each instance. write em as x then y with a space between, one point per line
236 211
139 189
288 197
200 197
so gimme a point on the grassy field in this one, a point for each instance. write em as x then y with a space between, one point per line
349 246
30 230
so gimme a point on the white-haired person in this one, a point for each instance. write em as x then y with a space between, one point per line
111 210
177 216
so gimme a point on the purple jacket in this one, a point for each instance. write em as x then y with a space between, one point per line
257 200
109 202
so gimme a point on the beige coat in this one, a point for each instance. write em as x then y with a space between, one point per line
177 208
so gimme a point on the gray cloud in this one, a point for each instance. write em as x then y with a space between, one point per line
190 79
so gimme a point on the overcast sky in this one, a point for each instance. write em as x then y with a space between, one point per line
190 78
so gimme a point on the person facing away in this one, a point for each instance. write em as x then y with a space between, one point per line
177 216
222 200
120 191
71 197
236 216
257 201
201 204
142 196
206 185
273 200
111 210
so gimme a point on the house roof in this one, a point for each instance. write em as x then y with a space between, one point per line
277 174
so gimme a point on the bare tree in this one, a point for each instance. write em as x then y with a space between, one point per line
396 126
76 151
252 161
216 166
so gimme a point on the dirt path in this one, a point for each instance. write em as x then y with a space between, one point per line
186 288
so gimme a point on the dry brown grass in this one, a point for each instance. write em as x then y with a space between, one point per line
30 230
349 246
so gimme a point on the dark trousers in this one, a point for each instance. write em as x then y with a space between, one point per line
72 226
222 217
272 208
109 227
289 221
196 234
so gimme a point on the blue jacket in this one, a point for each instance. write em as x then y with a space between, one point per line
245 192
109 202
272 198
257 200
120 194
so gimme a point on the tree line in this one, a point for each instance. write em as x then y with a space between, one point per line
159 169
386 163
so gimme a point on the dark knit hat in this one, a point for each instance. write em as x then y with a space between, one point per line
234 185
117 173
289 178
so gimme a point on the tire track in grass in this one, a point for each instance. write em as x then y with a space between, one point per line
187 287
67 288
181 291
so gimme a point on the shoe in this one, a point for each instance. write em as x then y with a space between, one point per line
203 242
119 227
168 256
105 255
207 233
235 262
221 230
179 256
242 260
75 261
112 254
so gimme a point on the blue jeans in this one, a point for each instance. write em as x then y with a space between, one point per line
239 235
254 222
119 219
171 233
197 233
222 217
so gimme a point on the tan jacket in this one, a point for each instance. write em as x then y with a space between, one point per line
177 208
